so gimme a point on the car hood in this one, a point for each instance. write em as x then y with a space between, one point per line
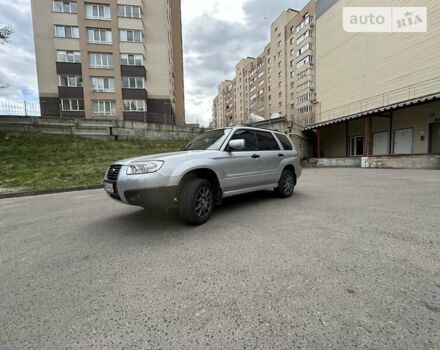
179 156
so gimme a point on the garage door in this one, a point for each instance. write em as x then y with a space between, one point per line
380 143
403 141
435 138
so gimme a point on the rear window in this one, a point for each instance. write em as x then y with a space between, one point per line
266 142
287 145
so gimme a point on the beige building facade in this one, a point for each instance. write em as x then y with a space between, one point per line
281 79
110 59
377 93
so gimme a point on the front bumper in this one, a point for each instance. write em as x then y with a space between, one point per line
146 190
152 198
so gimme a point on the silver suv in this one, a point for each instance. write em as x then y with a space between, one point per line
214 165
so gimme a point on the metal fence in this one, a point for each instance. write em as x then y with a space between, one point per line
48 109
20 108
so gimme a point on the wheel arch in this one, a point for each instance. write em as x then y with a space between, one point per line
203 173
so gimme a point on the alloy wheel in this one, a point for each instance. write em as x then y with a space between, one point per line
288 184
203 201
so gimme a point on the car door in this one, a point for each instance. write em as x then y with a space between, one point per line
270 155
242 168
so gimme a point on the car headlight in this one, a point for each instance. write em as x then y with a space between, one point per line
146 167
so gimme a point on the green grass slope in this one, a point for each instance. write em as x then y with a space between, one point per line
42 161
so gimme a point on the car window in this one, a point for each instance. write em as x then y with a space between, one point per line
249 137
211 140
266 141
285 142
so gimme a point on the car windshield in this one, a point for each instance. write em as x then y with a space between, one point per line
211 140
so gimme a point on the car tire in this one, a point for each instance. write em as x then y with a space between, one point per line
286 184
196 201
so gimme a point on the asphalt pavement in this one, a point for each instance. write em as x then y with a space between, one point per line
352 260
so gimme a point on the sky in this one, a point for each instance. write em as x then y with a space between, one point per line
216 34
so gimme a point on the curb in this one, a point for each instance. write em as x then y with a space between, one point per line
41 192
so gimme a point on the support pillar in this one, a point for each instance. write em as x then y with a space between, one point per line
318 143
391 136
367 137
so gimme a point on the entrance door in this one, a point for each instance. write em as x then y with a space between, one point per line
356 146
435 138
380 143
403 139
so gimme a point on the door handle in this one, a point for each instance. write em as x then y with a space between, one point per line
280 155
255 156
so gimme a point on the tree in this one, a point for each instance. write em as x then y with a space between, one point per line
5 33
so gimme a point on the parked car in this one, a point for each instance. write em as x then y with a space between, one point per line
214 165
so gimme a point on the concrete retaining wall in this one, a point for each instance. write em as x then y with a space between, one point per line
402 162
333 163
99 129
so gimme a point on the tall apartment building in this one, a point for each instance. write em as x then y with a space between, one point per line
223 106
281 79
110 59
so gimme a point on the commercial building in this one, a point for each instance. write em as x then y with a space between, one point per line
281 79
110 59
378 94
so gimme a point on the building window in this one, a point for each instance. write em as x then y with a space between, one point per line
301 38
70 32
305 60
304 86
305 109
135 105
99 36
102 84
304 73
129 35
129 11
65 6
100 60
71 105
70 80
303 49
308 19
305 97
69 56
99 12
104 107
128 59
133 82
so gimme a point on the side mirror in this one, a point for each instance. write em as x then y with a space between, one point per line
237 145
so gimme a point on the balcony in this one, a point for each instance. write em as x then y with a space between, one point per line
134 94
68 68
70 92
133 71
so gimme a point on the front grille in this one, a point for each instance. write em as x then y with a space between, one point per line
113 172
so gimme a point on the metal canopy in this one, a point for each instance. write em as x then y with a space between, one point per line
390 107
